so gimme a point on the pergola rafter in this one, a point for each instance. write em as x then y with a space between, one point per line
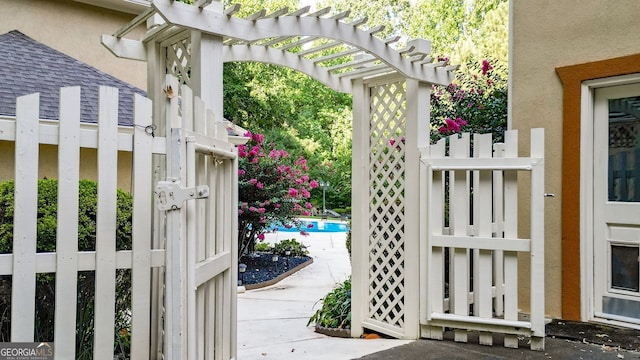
296 39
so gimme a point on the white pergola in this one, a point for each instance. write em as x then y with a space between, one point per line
390 88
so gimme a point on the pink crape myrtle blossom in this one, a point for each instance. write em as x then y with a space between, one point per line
273 188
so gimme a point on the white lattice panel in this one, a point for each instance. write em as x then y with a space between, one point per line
386 209
178 60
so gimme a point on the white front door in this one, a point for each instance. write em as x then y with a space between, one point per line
616 202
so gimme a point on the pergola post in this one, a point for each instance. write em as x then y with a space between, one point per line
417 136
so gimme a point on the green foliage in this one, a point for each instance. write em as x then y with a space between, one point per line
478 96
335 312
292 245
46 242
262 247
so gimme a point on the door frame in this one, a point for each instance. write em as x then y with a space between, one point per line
586 193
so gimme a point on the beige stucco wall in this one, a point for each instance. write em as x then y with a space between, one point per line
74 29
48 160
547 34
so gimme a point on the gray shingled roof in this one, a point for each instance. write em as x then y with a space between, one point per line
27 66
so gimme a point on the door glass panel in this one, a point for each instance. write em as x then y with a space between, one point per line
624 149
624 268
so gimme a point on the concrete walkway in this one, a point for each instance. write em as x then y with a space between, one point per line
272 321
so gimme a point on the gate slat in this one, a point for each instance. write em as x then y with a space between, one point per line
511 230
498 216
537 242
141 233
23 289
482 193
437 253
67 231
106 223
459 214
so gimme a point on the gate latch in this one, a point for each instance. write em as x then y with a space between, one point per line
170 195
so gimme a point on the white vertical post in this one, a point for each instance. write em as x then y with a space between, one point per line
206 70
416 136
498 215
482 213
191 243
67 250
105 275
23 282
141 233
459 220
537 241
435 263
360 201
511 231
155 84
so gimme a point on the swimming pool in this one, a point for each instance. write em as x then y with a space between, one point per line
316 226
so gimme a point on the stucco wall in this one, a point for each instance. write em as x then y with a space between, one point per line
48 160
74 29
547 34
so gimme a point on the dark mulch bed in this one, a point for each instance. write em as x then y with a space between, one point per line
595 333
261 268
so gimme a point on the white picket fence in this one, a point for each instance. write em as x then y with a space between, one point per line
25 263
470 274
184 310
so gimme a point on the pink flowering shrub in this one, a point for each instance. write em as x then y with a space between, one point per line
475 102
273 188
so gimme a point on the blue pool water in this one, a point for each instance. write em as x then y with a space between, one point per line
317 226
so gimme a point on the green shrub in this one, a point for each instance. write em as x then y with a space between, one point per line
293 245
45 283
335 312
263 247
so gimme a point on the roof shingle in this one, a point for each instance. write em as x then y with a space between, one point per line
27 66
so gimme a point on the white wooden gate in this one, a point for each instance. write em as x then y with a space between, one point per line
470 254
191 315
201 236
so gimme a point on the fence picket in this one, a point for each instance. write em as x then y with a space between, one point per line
67 232
141 232
459 219
482 194
23 289
511 231
105 274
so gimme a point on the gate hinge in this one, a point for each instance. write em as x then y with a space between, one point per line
170 195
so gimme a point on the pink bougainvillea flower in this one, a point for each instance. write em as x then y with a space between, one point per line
299 181
260 185
253 209
241 172
293 192
261 237
313 184
262 210
253 181
276 205
486 67
306 213
259 138
305 193
308 205
240 212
